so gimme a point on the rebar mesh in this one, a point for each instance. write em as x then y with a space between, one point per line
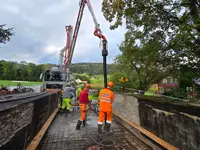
63 136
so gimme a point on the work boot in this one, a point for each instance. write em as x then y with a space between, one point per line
108 127
105 126
78 125
67 111
61 111
84 122
99 131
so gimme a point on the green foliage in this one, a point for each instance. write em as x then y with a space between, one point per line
164 34
5 34
95 94
83 77
20 71
115 78
31 72
97 79
179 93
140 63
90 68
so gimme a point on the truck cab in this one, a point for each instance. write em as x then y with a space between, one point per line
53 79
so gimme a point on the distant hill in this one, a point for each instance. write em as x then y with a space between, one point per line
91 68
25 71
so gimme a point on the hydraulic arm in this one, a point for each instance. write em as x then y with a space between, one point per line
71 42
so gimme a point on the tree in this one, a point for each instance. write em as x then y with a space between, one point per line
177 22
5 34
20 71
143 59
175 25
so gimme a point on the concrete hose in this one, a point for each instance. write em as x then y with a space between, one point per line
103 141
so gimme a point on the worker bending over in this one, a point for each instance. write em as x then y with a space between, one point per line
68 94
83 104
106 98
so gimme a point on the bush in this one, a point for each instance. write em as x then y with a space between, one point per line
83 77
177 92
132 82
115 78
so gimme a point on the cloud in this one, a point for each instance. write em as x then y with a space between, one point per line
39 28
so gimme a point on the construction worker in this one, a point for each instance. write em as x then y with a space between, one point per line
60 101
68 94
106 98
79 91
83 104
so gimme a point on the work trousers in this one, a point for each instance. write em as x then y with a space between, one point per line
66 103
102 115
83 110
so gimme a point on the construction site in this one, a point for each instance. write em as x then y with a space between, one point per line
33 119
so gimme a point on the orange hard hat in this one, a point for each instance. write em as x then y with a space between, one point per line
88 85
111 84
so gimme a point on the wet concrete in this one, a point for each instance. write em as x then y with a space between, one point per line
62 134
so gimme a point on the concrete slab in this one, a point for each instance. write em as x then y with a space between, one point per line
62 135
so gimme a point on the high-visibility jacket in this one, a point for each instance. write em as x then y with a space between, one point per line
90 95
106 98
78 92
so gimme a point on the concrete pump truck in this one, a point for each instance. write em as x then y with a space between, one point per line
59 77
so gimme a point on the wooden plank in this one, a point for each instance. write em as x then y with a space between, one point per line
148 134
35 142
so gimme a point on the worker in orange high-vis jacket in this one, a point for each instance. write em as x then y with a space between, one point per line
106 98
83 104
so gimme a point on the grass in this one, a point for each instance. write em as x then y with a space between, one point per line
96 81
25 83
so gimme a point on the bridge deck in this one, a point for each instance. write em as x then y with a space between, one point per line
62 135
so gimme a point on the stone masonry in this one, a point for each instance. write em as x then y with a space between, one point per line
127 106
176 123
13 120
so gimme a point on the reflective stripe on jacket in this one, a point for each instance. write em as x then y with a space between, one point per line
106 98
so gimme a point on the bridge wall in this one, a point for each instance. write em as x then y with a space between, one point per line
178 124
21 120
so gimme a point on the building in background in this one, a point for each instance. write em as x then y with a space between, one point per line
167 84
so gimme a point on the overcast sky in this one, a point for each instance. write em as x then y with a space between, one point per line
39 27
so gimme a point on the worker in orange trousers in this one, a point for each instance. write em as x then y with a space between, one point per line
83 104
106 98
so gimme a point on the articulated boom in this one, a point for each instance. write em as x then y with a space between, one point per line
70 44
69 30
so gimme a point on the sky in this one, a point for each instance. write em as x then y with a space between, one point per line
39 31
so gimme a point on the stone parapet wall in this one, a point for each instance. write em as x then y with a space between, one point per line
176 123
21 121
127 106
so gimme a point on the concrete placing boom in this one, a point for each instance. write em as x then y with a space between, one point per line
70 43
57 78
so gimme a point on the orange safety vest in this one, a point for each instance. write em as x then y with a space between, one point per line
106 98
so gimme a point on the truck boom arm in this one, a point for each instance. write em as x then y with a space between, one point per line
70 46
